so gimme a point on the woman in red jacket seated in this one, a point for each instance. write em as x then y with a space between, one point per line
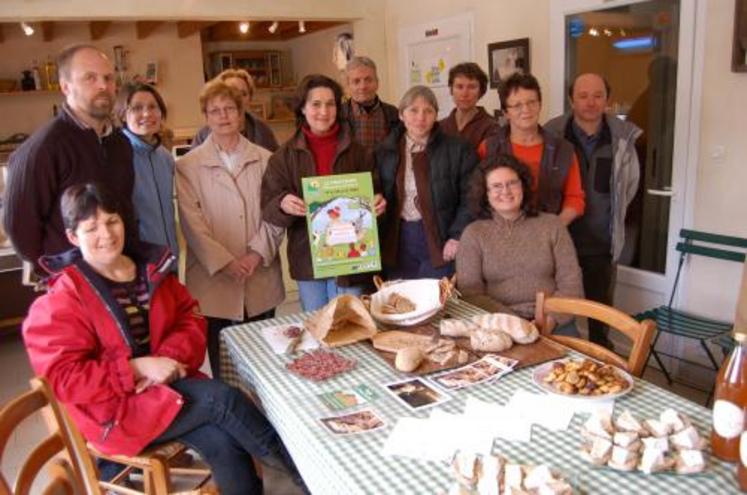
120 341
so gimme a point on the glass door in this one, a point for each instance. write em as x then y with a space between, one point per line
635 48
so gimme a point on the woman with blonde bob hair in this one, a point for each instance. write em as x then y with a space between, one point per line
253 128
424 176
232 263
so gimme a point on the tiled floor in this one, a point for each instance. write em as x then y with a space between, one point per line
15 373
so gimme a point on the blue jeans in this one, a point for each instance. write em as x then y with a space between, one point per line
316 293
413 258
226 429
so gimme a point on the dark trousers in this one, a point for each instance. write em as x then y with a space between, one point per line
599 285
226 429
215 326
413 260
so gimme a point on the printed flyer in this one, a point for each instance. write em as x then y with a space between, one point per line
342 224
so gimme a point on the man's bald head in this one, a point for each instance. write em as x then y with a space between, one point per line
589 95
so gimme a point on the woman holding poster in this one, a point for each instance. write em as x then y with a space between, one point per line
424 176
321 146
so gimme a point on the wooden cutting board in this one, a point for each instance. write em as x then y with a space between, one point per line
387 343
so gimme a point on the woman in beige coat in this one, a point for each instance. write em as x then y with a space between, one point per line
232 265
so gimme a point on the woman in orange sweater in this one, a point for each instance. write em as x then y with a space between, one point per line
556 177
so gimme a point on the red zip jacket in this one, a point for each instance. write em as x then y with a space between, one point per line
75 338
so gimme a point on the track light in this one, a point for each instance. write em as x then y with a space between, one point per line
301 26
27 29
244 27
273 27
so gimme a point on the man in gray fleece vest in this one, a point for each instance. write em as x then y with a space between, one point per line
610 173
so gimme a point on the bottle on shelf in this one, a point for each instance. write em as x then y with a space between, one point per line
53 82
729 402
36 75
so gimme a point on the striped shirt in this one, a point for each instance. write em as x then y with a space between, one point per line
133 298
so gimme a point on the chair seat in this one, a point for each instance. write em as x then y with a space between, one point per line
688 325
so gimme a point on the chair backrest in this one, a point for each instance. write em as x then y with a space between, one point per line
640 333
64 470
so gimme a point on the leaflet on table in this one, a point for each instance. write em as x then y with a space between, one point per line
339 400
341 221
486 369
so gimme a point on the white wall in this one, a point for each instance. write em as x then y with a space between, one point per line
495 20
312 54
179 69
720 203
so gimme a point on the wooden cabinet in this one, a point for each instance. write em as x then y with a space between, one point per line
265 66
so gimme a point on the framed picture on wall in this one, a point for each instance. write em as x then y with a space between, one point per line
505 58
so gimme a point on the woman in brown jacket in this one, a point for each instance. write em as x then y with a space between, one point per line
322 145
232 265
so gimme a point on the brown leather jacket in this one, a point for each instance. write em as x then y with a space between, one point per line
288 165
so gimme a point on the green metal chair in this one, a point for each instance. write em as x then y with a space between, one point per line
684 324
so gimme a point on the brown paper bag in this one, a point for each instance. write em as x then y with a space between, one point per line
343 321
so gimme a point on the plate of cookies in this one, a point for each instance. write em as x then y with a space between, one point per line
582 379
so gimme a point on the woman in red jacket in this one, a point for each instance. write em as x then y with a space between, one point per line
120 341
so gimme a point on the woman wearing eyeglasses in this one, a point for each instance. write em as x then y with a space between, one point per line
232 265
556 177
141 111
511 252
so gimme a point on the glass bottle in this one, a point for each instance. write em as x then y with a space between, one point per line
742 464
37 76
729 402
50 68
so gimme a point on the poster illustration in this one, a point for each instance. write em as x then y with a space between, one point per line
342 224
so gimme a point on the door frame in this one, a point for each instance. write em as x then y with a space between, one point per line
690 64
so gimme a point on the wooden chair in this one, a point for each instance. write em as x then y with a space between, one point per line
640 333
63 473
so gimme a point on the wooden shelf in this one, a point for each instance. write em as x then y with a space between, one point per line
33 92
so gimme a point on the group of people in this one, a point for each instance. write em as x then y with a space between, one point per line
512 210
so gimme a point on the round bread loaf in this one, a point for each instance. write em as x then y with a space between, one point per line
408 359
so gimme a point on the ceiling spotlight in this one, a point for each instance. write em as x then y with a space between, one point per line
593 31
273 27
607 32
244 27
301 26
27 29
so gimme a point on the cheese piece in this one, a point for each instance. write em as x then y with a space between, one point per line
539 475
627 440
653 461
690 461
657 428
622 458
465 467
676 421
490 475
600 425
687 439
627 422
557 487
599 452
513 477
661 444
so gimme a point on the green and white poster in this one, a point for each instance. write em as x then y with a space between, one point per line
342 224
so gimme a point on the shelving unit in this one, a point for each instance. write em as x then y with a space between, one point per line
263 65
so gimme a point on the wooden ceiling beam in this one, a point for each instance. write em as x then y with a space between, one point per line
143 29
187 28
47 29
98 29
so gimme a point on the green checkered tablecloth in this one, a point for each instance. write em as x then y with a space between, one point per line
354 464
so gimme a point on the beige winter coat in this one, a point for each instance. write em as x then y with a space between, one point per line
221 220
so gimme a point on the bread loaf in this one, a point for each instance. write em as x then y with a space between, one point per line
408 359
490 341
453 327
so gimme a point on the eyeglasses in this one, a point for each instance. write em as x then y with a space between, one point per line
227 111
529 105
501 187
141 109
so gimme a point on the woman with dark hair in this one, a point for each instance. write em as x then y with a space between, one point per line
322 145
467 84
511 252
424 174
233 267
141 111
121 341
551 159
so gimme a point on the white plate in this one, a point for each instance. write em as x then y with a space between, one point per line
425 293
541 371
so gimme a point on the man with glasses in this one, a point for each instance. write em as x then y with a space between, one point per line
610 171
556 180
79 145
